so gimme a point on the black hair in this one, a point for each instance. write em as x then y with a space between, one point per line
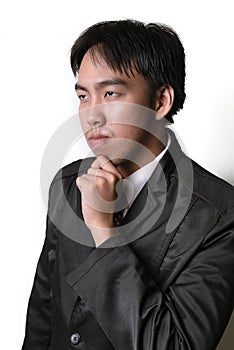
154 50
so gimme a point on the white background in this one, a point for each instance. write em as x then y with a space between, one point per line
37 96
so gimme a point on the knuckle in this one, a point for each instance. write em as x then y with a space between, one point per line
90 171
102 160
78 181
101 181
120 177
112 178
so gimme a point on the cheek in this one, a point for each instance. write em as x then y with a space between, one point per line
128 132
132 114
83 125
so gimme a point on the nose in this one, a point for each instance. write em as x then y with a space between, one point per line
95 116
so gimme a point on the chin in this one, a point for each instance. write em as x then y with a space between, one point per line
118 161
116 157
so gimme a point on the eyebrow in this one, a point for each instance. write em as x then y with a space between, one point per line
105 82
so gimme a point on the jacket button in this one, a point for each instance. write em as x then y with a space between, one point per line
75 338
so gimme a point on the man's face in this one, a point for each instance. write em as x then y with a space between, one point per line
115 112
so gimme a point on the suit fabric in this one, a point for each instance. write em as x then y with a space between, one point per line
162 288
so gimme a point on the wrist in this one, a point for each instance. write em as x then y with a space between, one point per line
101 234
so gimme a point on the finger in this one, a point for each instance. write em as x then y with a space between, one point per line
99 162
102 173
88 181
93 190
84 180
94 171
105 164
98 177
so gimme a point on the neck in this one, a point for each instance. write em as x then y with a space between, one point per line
147 155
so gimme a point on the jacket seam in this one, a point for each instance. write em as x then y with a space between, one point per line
205 199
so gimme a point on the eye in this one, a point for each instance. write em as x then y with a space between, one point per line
82 97
111 93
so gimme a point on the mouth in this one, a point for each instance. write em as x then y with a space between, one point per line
97 139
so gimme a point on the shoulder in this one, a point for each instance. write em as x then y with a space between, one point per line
207 187
63 191
212 189
63 185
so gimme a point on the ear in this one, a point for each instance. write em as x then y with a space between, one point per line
163 101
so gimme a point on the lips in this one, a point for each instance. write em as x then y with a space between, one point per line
97 138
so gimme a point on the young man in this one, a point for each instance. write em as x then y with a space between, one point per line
160 274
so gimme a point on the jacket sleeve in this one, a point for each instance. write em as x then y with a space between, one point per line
136 312
38 321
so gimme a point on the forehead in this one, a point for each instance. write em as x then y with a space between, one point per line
91 64
93 68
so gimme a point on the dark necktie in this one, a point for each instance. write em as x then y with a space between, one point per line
118 217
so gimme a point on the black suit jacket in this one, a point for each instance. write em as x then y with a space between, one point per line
164 282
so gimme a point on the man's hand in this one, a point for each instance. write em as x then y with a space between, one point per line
98 189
